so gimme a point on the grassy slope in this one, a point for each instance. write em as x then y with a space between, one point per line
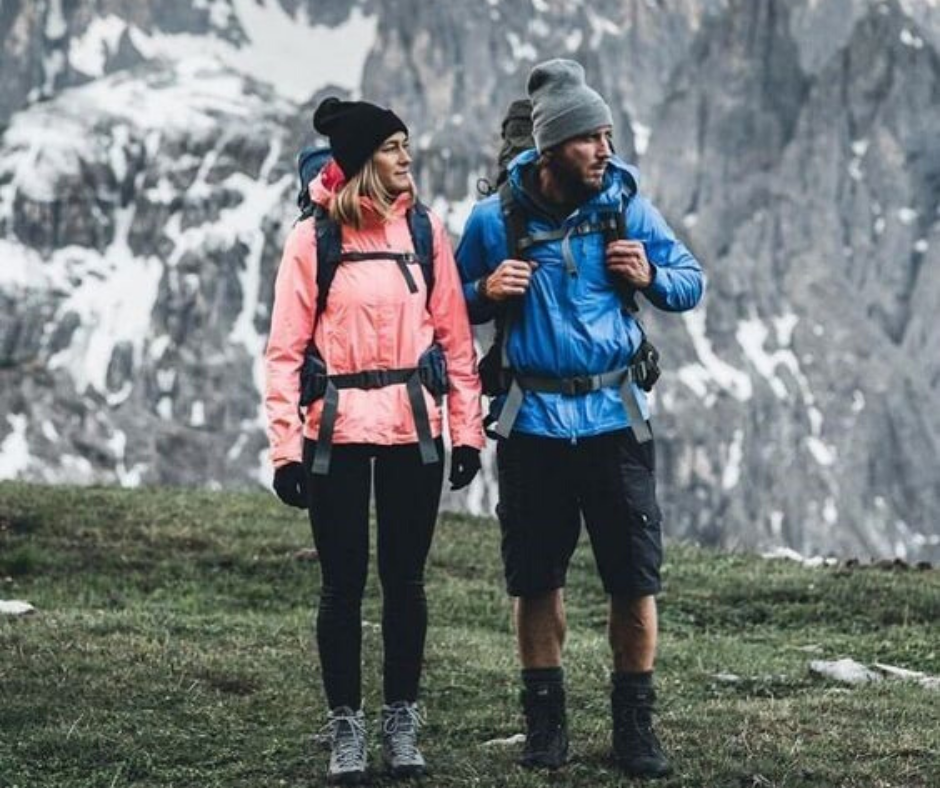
172 647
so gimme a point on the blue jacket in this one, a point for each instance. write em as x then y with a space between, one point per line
572 325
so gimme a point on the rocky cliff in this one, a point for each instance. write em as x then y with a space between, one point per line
146 184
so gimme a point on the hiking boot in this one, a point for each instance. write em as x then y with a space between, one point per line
347 730
400 723
636 747
546 738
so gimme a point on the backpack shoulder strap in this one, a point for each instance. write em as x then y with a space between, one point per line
422 237
329 250
514 219
616 232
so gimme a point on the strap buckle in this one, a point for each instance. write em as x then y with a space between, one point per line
577 386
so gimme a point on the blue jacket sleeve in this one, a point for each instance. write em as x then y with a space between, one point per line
679 282
473 263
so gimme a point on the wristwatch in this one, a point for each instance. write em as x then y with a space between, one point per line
480 287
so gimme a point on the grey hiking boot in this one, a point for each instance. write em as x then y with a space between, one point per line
400 724
348 746
636 746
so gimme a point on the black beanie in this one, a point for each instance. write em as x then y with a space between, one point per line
355 129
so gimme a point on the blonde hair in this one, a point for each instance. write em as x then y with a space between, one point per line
346 207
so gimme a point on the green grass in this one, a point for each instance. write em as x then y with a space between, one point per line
172 647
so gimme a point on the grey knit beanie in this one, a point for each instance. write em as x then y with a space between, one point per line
563 106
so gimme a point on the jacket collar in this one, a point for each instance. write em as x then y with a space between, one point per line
620 181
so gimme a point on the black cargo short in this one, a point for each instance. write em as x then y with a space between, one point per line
546 485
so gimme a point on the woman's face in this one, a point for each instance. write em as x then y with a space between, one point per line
393 163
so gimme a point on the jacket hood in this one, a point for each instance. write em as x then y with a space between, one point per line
620 177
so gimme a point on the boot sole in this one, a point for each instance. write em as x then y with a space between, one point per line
649 774
348 778
405 772
535 764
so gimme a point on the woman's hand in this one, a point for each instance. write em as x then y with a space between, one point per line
464 465
290 484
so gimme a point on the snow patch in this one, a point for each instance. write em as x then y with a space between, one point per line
114 306
261 199
521 50
907 215
728 378
830 512
789 554
751 335
846 671
860 147
14 451
858 401
731 474
89 52
573 40
15 607
277 46
600 26
641 137
910 40
56 26
824 454
49 431
508 741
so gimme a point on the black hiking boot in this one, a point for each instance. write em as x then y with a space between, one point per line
636 748
546 738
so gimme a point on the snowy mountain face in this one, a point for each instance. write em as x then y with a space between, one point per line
147 183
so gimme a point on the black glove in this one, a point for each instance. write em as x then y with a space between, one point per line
290 484
464 465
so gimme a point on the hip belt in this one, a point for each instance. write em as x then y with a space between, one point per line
621 379
430 373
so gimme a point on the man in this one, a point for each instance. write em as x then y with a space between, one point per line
574 421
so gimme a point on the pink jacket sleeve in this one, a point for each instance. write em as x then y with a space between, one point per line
452 331
295 295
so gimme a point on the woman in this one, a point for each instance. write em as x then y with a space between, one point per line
367 377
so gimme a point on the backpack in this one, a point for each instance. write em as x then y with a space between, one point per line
310 161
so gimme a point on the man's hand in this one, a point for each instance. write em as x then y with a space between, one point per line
627 260
291 485
511 279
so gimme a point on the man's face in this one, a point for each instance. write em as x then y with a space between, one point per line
580 163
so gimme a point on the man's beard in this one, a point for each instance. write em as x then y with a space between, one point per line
572 184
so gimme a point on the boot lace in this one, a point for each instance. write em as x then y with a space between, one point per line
401 730
542 724
636 726
348 732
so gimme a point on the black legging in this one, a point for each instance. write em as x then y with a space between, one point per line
407 495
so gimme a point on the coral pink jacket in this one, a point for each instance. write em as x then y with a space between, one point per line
371 321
